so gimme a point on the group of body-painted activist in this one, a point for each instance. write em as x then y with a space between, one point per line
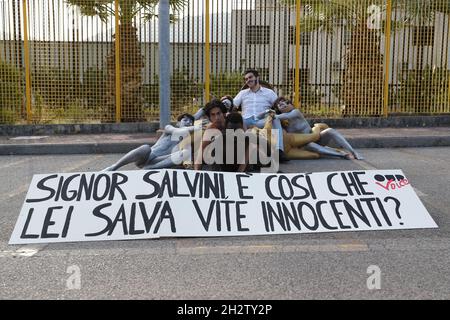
256 110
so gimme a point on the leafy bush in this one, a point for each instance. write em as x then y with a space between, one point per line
55 86
11 94
422 91
93 87
59 97
183 88
309 94
223 84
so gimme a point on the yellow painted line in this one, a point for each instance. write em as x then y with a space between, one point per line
17 192
15 163
23 188
233 249
84 163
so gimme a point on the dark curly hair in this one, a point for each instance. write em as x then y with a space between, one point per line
275 104
234 120
254 71
187 115
215 103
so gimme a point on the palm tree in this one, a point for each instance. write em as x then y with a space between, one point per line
362 91
132 61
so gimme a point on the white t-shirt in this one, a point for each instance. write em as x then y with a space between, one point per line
254 103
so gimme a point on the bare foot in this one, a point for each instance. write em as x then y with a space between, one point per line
358 156
349 156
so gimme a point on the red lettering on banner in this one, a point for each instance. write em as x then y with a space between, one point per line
392 185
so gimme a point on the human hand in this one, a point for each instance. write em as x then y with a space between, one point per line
205 123
271 114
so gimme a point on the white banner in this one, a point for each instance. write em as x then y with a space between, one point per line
95 206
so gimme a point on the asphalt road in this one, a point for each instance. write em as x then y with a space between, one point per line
413 264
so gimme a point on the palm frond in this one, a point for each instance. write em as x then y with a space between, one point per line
128 8
101 8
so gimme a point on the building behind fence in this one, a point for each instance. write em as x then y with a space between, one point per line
334 65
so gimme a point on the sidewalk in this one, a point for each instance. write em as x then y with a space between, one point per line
121 143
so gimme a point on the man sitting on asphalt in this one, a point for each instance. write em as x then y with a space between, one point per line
215 110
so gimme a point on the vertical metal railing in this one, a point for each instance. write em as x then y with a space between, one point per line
387 57
63 66
207 51
27 62
297 55
118 83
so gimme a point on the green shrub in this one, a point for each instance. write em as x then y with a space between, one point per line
223 84
56 86
183 88
422 91
11 95
93 87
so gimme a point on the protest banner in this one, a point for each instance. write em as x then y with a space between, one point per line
127 205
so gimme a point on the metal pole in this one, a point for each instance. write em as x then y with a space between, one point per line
117 64
297 56
207 52
27 62
387 56
164 62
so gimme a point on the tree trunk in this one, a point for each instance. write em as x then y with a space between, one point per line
363 76
131 64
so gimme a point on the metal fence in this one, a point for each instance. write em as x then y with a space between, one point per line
66 61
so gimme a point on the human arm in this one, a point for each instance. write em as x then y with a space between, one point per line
243 166
262 115
169 129
237 101
290 115
199 114
206 139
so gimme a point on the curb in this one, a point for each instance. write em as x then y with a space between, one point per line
123 147
400 142
67 148
148 127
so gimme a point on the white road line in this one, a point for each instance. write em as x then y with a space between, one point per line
29 250
26 251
